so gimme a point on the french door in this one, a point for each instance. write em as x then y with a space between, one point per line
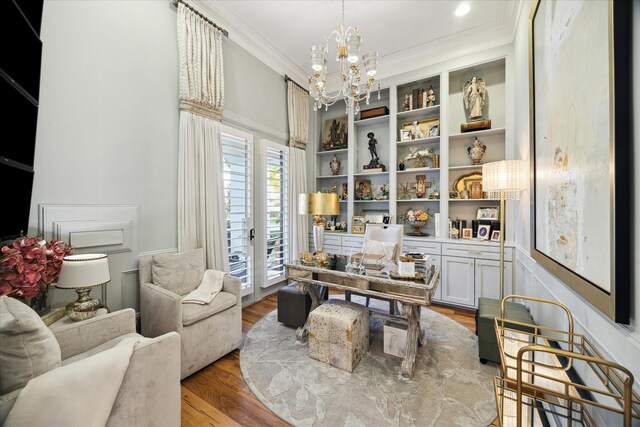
256 181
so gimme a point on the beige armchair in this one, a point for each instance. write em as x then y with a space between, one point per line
208 331
149 394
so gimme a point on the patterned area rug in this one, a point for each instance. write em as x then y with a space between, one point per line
449 387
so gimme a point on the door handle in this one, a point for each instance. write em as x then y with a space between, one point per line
251 234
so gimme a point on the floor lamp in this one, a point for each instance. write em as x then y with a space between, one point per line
318 204
505 179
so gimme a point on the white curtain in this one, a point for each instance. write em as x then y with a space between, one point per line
201 201
298 110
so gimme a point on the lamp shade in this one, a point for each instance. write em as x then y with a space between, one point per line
84 271
318 204
508 176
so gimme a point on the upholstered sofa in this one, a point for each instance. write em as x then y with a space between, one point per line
207 331
149 393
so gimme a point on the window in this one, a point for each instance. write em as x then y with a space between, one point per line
276 209
237 164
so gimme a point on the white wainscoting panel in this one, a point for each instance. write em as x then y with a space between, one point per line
617 342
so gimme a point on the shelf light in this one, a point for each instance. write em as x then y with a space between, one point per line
463 9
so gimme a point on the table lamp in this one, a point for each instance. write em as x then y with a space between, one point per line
505 179
318 204
83 272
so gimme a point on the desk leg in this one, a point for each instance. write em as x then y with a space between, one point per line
414 333
302 333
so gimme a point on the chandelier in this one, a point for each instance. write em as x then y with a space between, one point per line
348 42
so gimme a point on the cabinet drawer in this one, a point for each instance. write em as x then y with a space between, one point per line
476 251
429 248
352 242
332 240
332 249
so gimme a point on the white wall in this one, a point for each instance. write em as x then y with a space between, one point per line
108 119
622 343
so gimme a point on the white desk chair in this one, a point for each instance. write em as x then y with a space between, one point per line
382 239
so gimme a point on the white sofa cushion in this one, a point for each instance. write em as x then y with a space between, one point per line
178 273
28 347
191 313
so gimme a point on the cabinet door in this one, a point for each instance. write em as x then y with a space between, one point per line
457 280
436 260
488 278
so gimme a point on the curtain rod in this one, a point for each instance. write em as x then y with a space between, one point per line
289 79
175 3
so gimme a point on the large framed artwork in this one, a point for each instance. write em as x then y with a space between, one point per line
580 148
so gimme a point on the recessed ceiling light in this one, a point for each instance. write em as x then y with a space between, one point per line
463 9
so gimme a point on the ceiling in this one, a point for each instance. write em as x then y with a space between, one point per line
407 34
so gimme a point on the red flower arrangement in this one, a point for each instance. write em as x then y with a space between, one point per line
29 265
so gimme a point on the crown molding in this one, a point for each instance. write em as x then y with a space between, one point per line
496 33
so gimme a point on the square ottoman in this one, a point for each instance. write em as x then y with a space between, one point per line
488 310
339 333
293 306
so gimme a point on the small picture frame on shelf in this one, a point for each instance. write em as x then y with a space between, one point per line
488 212
357 225
329 225
405 135
363 190
467 233
483 232
434 130
495 236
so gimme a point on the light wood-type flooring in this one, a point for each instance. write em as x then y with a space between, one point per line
218 396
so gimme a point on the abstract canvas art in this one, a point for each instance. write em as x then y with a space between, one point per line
575 137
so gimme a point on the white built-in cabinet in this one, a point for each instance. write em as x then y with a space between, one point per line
470 268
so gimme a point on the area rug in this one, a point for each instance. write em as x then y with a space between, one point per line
449 387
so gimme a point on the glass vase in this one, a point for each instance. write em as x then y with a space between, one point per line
41 303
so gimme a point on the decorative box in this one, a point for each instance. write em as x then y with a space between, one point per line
395 339
374 112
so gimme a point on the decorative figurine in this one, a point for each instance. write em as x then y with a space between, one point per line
416 133
435 195
372 148
345 193
334 189
401 165
406 105
476 151
334 164
473 95
431 97
421 186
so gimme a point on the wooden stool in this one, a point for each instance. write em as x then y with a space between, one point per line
339 333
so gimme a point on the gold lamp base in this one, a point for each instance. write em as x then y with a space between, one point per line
84 307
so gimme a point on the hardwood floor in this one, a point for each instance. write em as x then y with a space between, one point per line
218 396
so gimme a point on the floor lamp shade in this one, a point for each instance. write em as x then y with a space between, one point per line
506 177
318 204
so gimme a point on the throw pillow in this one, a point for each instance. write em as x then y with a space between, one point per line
28 347
178 273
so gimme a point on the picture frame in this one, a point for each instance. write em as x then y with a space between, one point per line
374 216
488 212
580 219
334 134
425 127
495 236
405 135
467 233
363 190
357 224
434 130
484 232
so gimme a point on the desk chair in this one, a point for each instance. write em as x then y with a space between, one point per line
382 239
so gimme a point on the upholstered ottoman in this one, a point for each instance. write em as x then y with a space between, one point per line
293 306
488 310
339 333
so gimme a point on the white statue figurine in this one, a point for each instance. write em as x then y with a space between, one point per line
474 94
416 133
